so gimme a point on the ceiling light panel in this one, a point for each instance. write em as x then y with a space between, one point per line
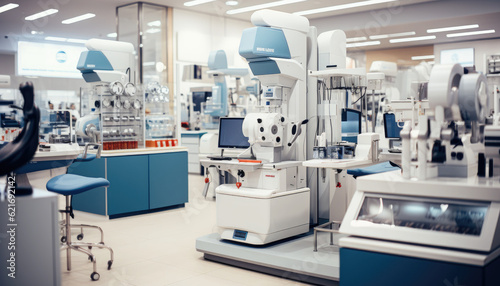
262 6
427 57
57 39
470 33
8 7
77 41
156 23
342 7
197 2
377 37
362 44
41 14
413 39
446 29
355 39
78 18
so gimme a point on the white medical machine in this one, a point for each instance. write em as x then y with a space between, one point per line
270 200
218 104
116 119
443 211
449 136
416 227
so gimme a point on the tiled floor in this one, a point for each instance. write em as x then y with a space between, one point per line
159 249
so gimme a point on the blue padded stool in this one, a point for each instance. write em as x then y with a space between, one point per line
69 185
373 169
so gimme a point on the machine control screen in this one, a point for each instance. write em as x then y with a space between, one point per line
447 216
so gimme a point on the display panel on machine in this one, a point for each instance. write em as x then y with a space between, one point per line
446 216
351 125
391 127
231 134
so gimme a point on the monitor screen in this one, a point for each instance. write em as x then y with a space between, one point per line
391 127
198 98
351 125
231 133
464 57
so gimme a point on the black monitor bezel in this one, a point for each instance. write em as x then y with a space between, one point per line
219 139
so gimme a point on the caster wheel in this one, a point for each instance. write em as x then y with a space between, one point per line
90 247
80 236
110 262
94 276
91 258
63 239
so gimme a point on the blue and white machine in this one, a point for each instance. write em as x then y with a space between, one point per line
106 61
217 105
275 184
109 66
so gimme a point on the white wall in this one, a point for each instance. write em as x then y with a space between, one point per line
481 49
197 34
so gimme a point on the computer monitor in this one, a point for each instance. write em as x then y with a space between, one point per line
199 97
231 133
391 127
351 125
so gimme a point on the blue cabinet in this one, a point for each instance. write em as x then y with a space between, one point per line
168 174
128 189
93 201
138 183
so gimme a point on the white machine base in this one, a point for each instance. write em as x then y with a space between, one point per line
293 258
256 238
259 216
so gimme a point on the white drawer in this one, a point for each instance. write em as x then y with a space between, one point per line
193 149
190 140
193 158
194 168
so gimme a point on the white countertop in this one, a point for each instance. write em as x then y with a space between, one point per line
337 163
142 151
194 132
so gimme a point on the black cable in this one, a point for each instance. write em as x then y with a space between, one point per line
128 72
363 95
330 115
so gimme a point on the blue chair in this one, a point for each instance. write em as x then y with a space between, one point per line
69 185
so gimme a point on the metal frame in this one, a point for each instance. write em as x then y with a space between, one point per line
324 228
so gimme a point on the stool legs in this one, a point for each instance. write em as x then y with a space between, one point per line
68 245
68 234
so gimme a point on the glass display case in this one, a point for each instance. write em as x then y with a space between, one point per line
459 213
160 125
438 215
120 109
10 120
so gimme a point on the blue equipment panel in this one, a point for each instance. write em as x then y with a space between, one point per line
359 267
263 42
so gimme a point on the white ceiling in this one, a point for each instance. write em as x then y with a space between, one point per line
414 15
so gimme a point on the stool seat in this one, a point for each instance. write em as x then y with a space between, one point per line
374 169
69 184
89 157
